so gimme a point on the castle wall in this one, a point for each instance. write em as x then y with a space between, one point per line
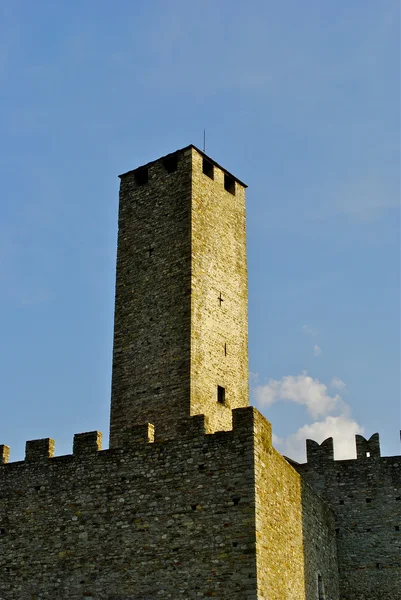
155 520
219 303
365 496
294 530
204 515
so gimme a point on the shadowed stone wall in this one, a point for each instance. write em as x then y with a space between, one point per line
365 496
151 354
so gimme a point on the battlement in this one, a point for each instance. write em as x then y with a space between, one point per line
316 453
324 452
171 163
89 443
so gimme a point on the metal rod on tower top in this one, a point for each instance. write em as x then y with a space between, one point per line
204 140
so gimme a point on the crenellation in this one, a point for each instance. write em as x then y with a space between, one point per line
4 454
362 494
143 433
318 453
39 450
366 449
195 426
87 443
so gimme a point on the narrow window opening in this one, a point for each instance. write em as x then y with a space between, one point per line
170 163
220 298
337 530
398 498
236 500
341 501
142 176
225 349
397 527
235 544
320 588
229 183
377 565
2 531
221 394
368 500
367 454
207 168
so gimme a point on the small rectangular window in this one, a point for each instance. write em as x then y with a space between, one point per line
207 168
229 183
221 395
141 176
170 163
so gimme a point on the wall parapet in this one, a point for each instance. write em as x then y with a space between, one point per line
4 454
39 450
247 421
316 453
324 452
367 448
87 443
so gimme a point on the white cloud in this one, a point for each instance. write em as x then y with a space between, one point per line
337 384
319 402
317 350
301 389
341 428
253 378
276 440
309 330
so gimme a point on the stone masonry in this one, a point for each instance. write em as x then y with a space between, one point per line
365 497
191 500
181 327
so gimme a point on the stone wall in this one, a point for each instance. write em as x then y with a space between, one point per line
365 496
173 519
219 303
151 355
294 530
155 520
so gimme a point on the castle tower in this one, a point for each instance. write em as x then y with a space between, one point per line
180 330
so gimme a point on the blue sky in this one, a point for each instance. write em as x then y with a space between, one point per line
301 101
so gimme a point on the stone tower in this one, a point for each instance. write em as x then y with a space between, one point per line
180 337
